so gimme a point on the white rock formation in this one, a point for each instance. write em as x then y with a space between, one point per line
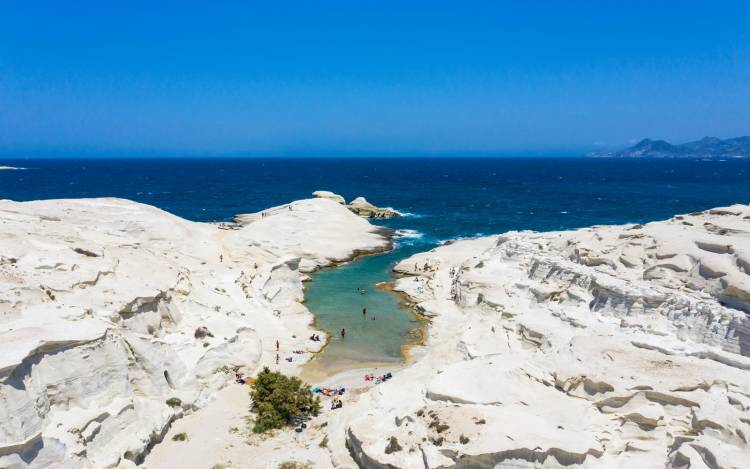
108 308
610 346
330 195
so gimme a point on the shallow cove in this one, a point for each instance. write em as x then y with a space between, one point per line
374 339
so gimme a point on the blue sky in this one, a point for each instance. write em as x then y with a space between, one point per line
368 77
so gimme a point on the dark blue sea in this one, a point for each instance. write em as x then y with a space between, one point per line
442 198
448 197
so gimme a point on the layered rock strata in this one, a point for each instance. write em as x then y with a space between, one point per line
610 346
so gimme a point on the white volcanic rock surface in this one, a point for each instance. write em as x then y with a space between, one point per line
330 195
359 205
610 346
109 307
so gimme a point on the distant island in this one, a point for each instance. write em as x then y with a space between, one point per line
707 147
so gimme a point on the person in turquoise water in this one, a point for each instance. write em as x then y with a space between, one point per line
364 313
343 333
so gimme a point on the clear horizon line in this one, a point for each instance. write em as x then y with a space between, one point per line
136 155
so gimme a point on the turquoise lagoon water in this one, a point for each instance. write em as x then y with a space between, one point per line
446 198
377 337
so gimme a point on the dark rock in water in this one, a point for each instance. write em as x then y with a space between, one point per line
707 147
363 208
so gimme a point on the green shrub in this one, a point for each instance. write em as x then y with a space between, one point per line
180 437
295 465
174 402
278 398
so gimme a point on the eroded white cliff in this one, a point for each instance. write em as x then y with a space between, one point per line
108 308
610 346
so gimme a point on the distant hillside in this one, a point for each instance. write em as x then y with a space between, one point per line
707 147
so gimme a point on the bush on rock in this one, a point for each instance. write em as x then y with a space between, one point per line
174 402
277 399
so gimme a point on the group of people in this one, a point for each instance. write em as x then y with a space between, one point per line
364 314
378 379
265 214
336 393
316 337
339 391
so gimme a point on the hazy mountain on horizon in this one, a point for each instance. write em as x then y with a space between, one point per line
707 147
